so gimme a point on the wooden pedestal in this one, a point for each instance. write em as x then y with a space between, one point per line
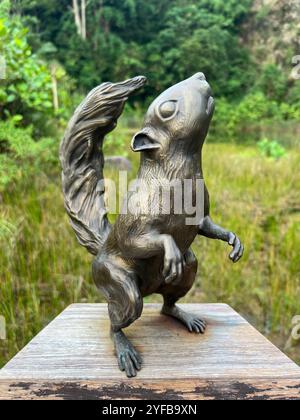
72 358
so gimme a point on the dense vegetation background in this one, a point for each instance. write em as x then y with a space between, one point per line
55 51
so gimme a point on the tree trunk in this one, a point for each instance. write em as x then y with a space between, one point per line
104 24
77 17
54 88
80 17
83 19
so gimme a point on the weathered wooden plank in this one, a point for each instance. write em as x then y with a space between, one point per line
74 356
255 389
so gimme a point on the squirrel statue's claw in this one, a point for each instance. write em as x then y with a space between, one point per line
129 359
238 248
192 322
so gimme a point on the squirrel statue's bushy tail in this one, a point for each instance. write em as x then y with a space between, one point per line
82 160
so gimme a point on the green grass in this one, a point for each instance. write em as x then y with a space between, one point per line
43 269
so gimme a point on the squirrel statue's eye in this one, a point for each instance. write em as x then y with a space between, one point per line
168 109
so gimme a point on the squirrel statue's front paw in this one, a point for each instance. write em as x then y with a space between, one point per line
238 248
173 267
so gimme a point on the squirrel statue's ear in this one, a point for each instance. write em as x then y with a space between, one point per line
142 141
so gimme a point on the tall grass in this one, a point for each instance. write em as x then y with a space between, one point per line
43 269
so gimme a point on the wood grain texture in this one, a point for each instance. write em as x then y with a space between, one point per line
73 358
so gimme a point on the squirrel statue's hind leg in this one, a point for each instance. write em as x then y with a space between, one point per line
125 304
172 293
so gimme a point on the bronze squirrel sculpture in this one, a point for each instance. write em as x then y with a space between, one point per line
141 254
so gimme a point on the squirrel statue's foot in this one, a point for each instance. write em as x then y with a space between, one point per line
191 321
128 358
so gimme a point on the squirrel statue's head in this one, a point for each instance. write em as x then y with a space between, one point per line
178 120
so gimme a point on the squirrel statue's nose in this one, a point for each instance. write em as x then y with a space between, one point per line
200 76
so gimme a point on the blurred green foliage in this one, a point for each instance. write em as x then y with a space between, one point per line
166 40
244 121
27 87
22 157
271 149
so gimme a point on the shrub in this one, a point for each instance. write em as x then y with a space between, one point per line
245 121
271 149
27 88
21 156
